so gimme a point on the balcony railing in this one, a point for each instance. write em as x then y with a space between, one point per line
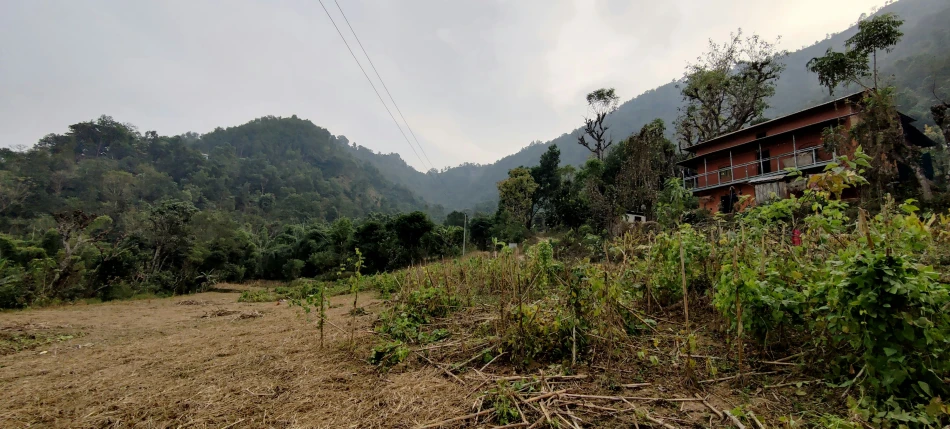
739 173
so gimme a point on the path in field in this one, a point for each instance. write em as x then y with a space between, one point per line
158 363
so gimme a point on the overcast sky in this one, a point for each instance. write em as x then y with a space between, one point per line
476 79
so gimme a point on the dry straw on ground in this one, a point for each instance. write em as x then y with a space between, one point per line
157 364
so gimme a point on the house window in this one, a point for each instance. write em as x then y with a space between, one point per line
725 174
765 164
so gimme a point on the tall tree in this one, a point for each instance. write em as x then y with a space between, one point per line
728 87
600 103
548 178
516 195
880 131
646 160
941 116
409 229
859 60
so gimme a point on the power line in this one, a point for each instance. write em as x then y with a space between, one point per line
372 85
382 82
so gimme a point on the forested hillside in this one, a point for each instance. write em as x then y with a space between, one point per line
918 61
269 169
106 211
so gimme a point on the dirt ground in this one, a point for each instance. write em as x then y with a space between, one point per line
207 361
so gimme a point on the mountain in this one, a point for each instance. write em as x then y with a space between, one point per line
921 58
267 170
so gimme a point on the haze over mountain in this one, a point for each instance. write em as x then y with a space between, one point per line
919 60
34 99
477 79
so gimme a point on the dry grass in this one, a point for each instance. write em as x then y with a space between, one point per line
166 363
158 364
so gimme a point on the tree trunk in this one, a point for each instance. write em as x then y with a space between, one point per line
925 192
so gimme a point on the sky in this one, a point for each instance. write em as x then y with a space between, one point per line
475 79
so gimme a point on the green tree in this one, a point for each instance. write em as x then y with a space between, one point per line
409 229
480 232
516 195
859 61
168 233
456 218
639 167
674 202
880 131
548 178
728 87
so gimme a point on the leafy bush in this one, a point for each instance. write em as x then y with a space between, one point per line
405 320
769 295
389 354
664 270
891 317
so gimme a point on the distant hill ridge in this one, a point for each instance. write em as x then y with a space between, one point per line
922 57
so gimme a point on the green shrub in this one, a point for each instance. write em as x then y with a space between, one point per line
259 295
405 320
890 316
389 354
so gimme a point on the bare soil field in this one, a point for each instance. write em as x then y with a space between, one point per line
207 361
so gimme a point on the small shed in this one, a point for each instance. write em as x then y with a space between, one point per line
769 188
634 217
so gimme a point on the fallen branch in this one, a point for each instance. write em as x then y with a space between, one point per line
758 424
544 396
442 368
547 377
788 358
438 346
630 398
457 419
492 360
477 355
715 380
793 383
735 420
711 408
775 362
659 422
635 385
592 406
845 394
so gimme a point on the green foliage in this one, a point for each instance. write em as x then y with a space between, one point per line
880 32
404 322
674 202
891 314
502 399
389 354
728 87
663 271
516 196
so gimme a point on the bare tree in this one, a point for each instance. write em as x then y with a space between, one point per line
600 103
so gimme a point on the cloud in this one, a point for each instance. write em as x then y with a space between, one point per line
476 79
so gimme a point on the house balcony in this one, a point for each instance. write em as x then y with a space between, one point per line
805 158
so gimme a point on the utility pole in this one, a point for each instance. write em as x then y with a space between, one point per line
464 224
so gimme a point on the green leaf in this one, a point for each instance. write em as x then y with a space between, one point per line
924 386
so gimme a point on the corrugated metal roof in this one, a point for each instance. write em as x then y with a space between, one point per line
722 136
